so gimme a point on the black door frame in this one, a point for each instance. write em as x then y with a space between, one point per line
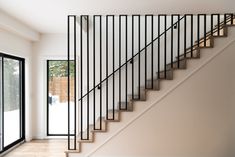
47 107
22 104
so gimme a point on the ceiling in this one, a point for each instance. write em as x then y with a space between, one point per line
49 16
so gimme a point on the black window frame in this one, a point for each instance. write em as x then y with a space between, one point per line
22 103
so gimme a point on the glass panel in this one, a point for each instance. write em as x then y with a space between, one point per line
12 100
57 97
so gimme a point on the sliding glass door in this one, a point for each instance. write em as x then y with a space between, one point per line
11 100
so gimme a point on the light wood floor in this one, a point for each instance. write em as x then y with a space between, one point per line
40 148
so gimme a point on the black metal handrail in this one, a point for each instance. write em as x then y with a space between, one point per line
131 59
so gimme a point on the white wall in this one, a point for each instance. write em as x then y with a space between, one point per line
50 46
15 39
232 111
18 46
196 119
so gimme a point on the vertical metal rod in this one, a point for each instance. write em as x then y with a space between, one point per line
94 121
107 107
88 79
212 23
145 50
205 30
158 47
139 55
165 50
100 72
172 20
152 51
192 35
68 83
198 30
225 19
185 35
126 60
75 84
218 24
113 65
120 51
81 48
232 17
132 61
3 107
178 43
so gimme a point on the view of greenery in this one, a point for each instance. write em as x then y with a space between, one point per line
60 68
11 84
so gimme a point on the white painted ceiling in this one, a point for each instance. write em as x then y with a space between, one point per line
49 16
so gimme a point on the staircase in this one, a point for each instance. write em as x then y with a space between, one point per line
123 57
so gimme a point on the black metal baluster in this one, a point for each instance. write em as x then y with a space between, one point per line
185 35
99 86
145 50
120 47
191 35
225 19
232 17
139 56
158 47
212 23
132 62
113 66
218 24
172 20
94 21
68 82
198 30
178 43
71 17
81 46
152 51
165 50
75 84
205 30
126 59
107 107
146 30
100 72
88 78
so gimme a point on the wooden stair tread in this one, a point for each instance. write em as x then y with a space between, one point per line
125 106
155 86
84 135
113 115
98 128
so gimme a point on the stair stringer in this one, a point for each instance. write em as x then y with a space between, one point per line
153 97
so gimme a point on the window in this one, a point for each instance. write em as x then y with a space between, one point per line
57 97
12 121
